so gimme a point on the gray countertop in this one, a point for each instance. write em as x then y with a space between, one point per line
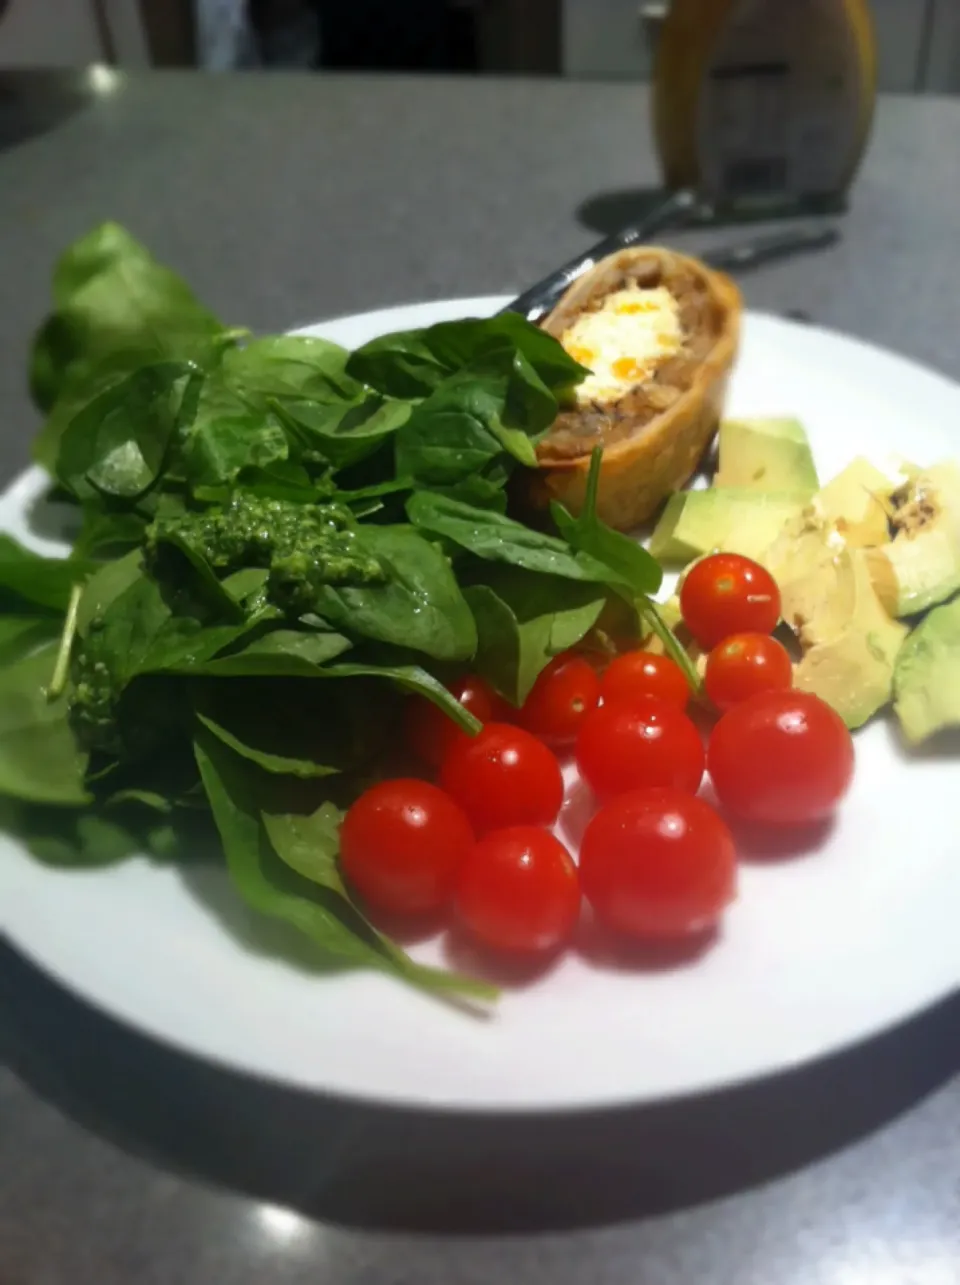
284 199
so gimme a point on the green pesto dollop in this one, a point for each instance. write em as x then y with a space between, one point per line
92 709
303 546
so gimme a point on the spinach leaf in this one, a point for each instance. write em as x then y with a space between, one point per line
178 561
28 579
283 480
63 837
183 646
454 343
283 764
413 363
286 653
86 839
283 653
79 391
104 532
344 432
497 538
228 435
400 365
117 444
106 585
272 887
495 403
309 843
298 366
633 571
413 679
420 607
111 296
524 619
20 635
39 758
125 646
298 727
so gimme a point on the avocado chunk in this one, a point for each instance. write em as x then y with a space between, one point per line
858 503
853 671
732 519
927 677
811 566
921 567
766 455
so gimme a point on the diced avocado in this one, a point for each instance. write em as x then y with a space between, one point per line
732 519
857 502
814 572
766 455
921 567
854 671
927 677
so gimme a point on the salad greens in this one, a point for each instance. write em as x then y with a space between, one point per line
279 540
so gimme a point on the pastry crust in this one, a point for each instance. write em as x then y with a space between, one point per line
654 436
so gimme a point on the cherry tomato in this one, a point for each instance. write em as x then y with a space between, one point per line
519 891
402 844
643 673
728 594
657 863
566 690
430 733
639 743
503 776
781 758
745 664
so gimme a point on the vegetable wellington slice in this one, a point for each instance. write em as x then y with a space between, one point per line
659 332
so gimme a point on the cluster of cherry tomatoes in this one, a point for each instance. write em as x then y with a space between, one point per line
655 861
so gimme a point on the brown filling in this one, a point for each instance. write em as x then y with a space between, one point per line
577 431
914 510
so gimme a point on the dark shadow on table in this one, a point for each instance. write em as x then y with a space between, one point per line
374 1167
32 102
607 212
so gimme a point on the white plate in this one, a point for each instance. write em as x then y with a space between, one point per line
819 950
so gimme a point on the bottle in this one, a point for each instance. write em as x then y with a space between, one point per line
765 101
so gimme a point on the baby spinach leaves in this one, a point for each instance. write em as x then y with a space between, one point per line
284 866
207 679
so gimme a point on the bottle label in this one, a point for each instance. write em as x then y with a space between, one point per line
779 108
